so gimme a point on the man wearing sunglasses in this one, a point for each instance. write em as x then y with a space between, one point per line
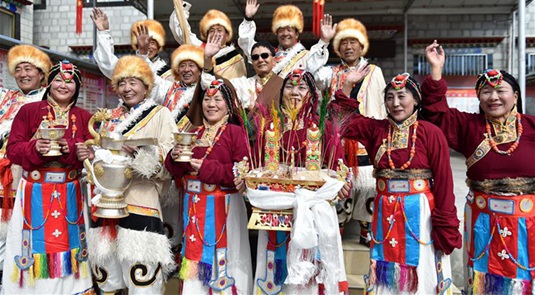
264 86
287 24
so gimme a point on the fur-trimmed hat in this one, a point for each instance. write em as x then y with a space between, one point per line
131 66
186 52
287 16
215 17
156 31
350 28
30 54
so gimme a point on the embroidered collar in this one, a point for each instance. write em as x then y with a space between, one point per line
284 57
61 117
131 115
263 81
210 132
405 124
344 66
507 128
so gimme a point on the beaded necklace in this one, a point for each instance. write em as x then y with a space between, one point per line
389 147
216 138
513 147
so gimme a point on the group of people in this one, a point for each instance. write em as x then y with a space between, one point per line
191 217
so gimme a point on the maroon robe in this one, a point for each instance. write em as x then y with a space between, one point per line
217 166
431 153
330 144
465 131
21 147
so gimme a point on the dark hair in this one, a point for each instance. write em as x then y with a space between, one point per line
309 107
264 44
481 80
65 66
412 85
229 95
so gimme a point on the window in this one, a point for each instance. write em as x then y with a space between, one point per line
39 4
460 64
7 23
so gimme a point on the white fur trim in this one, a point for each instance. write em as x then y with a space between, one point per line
146 162
145 247
117 133
221 22
350 33
101 246
185 98
289 57
365 178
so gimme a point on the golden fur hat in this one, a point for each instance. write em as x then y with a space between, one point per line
350 28
287 16
156 31
29 54
186 52
131 66
215 17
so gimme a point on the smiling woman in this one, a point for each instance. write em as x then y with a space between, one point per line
39 242
499 145
216 258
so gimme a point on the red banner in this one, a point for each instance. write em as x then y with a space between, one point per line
79 11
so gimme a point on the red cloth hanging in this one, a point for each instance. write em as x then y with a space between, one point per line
79 11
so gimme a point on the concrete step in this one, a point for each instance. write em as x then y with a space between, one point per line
357 285
356 257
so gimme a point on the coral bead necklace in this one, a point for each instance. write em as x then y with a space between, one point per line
389 147
216 139
514 146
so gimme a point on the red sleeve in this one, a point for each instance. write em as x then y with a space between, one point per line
20 147
177 169
435 109
445 224
358 127
217 169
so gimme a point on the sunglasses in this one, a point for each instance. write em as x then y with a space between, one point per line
263 55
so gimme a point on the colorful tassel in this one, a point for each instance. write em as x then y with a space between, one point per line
397 277
204 273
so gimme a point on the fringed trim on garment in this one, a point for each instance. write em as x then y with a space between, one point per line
102 243
485 283
396 277
403 174
233 289
51 266
194 269
281 272
518 185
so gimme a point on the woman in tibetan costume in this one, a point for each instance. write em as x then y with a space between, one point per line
216 258
133 252
499 145
294 138
414 225
46 243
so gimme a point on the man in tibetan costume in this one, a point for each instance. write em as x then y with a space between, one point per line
287 24
264 86
29 66
104 53
229 63
133 252
351 43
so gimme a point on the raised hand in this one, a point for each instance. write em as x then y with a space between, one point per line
100 19
436 58
355 76
213 45
251 8
327 28
143 39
